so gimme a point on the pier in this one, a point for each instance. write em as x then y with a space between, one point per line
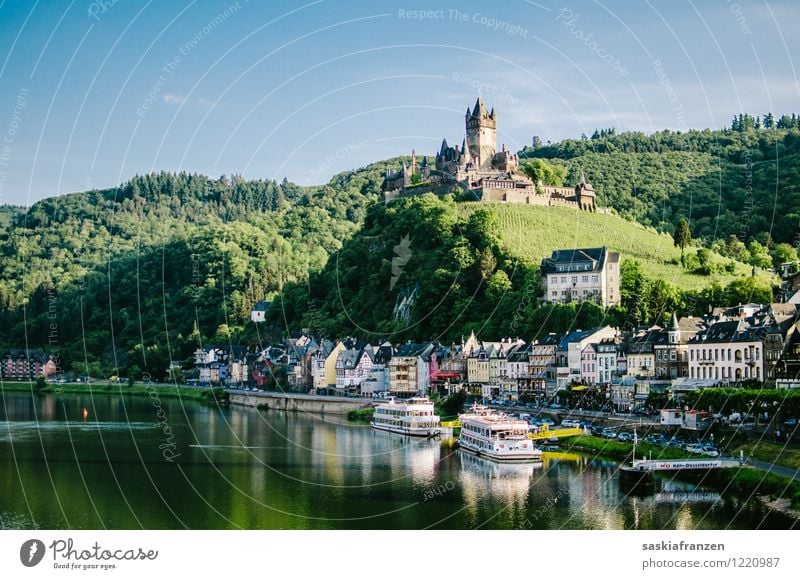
641 473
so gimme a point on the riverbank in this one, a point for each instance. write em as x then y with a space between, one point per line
206 395
781 491
363 415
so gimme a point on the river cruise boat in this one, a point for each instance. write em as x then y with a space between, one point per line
411 417
497 436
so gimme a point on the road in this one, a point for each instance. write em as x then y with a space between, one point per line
775 469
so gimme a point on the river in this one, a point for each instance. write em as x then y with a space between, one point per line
137 462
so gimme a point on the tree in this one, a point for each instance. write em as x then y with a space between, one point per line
704 261
682 237
544 173
759 255
783 253
736 249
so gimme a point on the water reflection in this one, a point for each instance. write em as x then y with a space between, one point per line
243 468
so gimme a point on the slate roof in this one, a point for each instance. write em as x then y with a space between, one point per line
569 259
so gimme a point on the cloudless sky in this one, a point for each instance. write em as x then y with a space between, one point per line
94 92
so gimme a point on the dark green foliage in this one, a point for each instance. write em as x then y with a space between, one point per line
682 236
124 281
454 404
361 415
741 181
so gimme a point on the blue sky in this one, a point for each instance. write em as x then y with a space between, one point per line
97 91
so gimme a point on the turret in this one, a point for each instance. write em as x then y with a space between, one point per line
481 135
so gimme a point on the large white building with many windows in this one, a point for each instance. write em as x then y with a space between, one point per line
573 275
727 352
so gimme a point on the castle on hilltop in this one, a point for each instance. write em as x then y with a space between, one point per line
477 165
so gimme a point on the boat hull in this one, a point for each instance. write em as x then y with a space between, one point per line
498 457
406 431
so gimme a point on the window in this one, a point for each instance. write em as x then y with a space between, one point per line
553 279
563 279
595 279
584 279
574 279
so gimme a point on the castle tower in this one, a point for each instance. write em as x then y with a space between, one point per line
585 194
481 135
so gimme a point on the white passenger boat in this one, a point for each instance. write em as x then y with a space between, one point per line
411 417
497 436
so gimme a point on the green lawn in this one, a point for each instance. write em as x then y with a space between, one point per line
773 453
533 232
162 391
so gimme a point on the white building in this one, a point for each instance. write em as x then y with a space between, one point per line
353 367
259 312
582 275
727 352
589 364
570 350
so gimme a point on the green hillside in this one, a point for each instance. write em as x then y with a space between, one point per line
136 276
533 232
742 181
475 266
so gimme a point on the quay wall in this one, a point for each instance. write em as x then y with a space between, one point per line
298 402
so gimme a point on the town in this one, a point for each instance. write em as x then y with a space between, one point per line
637 369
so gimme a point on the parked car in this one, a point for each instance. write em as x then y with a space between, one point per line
556 407
694 448
710 450
608 433
624 436
571 423
548 421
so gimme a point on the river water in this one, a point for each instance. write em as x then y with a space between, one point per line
137 462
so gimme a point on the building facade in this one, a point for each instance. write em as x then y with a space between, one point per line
576 275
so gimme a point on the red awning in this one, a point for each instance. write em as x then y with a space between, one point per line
445 375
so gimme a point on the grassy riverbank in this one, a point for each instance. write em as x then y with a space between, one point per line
773 453
208 395
361 415
622 450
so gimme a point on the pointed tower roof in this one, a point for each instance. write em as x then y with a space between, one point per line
479 110
582 180
444 147
675 327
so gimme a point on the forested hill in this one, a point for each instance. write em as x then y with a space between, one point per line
147 270
742 181
133 277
